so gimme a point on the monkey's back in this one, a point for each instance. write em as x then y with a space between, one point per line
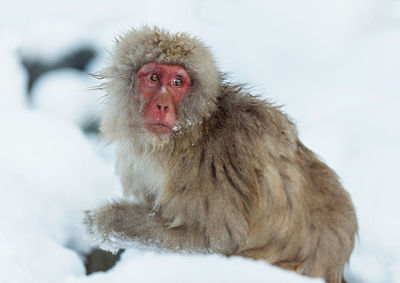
281 203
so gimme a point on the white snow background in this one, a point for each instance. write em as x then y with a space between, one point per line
334 65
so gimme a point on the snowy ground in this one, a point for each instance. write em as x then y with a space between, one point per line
335 65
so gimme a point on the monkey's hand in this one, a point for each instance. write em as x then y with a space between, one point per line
114 226
129 225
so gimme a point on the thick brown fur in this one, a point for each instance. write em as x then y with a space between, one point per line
232 178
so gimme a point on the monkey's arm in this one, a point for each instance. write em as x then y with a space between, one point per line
189 228
124 224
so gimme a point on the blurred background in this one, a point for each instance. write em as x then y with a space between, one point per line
333 65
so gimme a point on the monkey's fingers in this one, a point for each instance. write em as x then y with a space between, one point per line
107 227
88 221
99 234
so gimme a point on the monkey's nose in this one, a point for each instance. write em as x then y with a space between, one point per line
162 108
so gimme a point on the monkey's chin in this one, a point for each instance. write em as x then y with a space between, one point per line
158 128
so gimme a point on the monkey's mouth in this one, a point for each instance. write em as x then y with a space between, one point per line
158 128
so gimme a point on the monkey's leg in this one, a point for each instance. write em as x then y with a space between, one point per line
121 225
328 258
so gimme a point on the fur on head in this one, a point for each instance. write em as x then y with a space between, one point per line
138 47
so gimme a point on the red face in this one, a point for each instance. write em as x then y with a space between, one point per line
162 87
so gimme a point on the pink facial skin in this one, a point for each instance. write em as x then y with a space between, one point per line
162 87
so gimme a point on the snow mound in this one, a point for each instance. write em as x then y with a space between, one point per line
152 267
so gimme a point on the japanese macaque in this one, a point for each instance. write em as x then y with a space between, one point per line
208 168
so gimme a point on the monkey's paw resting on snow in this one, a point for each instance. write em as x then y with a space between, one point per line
113 226
123 224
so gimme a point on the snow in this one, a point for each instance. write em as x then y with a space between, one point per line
12 76
66 93
49 174
333 65
152 267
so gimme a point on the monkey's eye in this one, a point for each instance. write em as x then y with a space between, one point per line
177 82
153 77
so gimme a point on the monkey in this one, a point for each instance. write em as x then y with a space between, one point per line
207 167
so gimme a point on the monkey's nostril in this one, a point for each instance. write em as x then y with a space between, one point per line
159 107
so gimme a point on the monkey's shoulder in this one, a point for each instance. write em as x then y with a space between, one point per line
240 113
